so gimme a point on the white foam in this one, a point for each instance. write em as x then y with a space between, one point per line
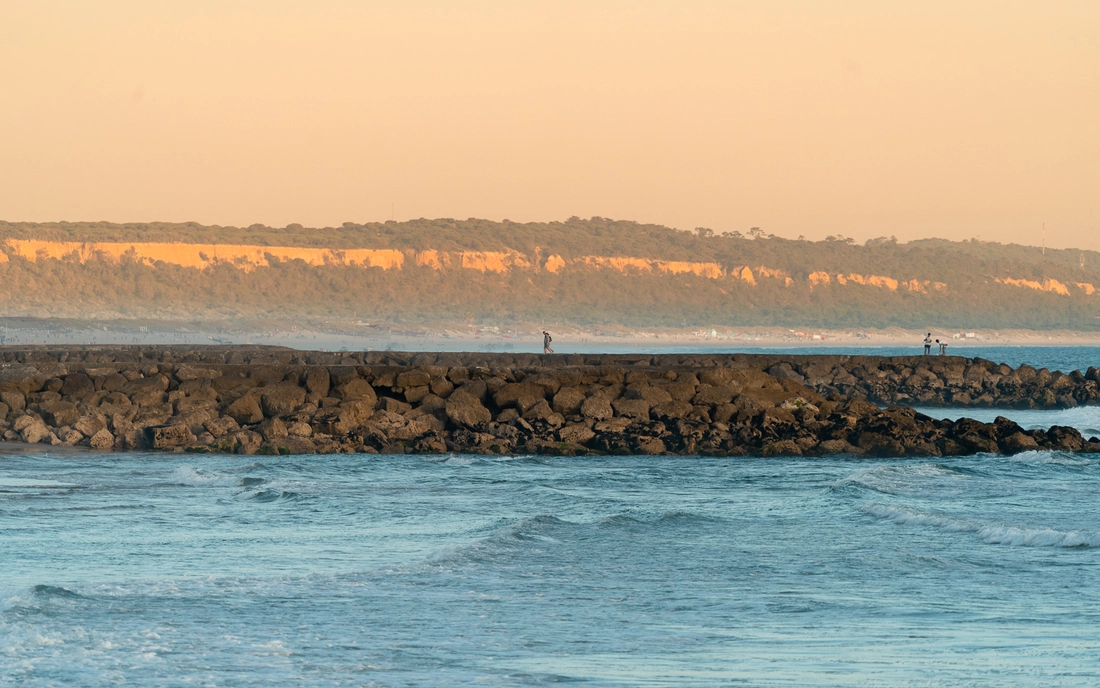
186 475
1038 537
24 483
1049 457
994 534
905 479
1086 419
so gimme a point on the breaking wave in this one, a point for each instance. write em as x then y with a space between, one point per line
993 534
911 479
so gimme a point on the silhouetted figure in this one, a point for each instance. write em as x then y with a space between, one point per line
546 339
928 344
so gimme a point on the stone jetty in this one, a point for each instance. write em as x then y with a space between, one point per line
267 400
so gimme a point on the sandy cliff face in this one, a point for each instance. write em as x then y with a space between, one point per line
248 258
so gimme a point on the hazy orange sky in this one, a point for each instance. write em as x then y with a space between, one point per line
864 118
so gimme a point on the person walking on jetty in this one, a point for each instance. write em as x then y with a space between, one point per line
546 339
928 344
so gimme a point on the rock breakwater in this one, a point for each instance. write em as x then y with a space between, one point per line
269 400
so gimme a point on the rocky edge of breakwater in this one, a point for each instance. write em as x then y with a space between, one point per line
276 401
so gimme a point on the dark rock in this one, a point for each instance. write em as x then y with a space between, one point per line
711 396
510 394
272 429
13 400
568 400
413 378
283 399
465 410
598 407
1018 442
317 383
146 391
577 433
632 408
168 436
220 427
245 410
671 410
1065 438
21 380
78 386
61 413
102 439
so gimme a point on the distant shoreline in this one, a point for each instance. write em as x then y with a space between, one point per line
336 335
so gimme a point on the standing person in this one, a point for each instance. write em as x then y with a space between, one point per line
928 344
546 339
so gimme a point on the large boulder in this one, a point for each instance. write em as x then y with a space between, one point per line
90 425
541 410
1017 443
146 391
784 370
102 439
578 433
220 427
317 383
597 407
273 429
357 390
671 410
14 400
568 400
681 390
1065 438
168 436
632 408
113 382
654 395
187 372
341 375
78 386
511 393
35 432
21 380
413 378
282 399
245 410
342 419
61 413
712 396
465 410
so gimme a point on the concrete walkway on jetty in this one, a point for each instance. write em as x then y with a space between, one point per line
269 400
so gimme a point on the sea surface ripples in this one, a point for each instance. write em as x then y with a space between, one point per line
625 571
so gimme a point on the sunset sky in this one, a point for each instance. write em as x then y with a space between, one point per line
864 118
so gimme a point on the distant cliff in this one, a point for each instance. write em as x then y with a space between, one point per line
579 271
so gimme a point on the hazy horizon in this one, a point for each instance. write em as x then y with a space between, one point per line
860 119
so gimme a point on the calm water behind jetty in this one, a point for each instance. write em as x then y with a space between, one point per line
1062 358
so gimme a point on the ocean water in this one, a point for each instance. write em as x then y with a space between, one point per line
358 570
171 569
1063 358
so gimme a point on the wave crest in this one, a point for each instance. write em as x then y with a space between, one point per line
993 534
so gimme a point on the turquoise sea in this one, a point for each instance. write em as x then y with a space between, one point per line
172 569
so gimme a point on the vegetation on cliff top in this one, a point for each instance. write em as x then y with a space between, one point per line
984 284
